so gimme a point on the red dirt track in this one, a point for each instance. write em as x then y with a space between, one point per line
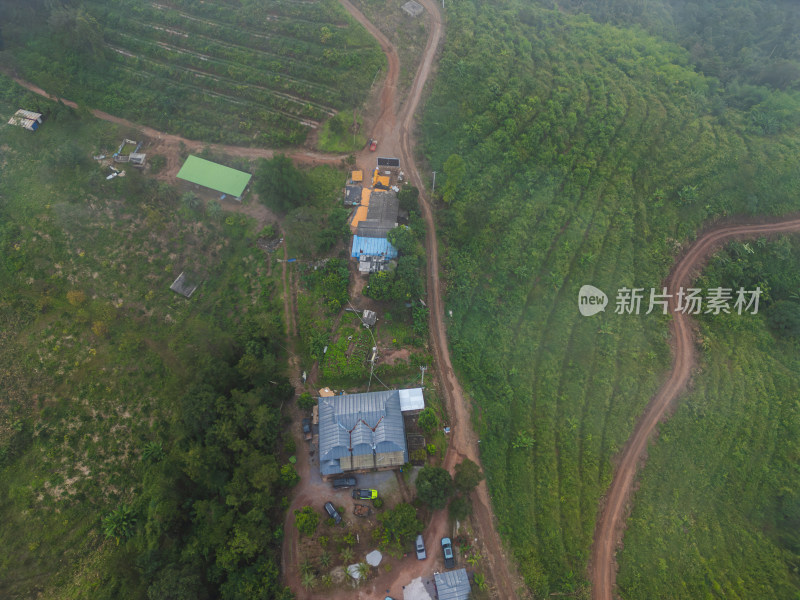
610 525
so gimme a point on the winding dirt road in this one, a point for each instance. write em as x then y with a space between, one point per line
610 525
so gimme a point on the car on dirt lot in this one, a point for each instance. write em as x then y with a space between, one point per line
447 549
420 547
362 494
307 428
344 482
333 513
373 145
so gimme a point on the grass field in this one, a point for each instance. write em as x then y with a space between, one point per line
573 153
253 75
97 356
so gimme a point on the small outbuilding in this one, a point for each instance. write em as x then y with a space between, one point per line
369 318
219 178
26 119
185 285
413 9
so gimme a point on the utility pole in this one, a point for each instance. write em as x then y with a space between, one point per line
423 369
433 189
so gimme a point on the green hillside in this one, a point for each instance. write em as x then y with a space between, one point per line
250 73
141 437
570 153
718 511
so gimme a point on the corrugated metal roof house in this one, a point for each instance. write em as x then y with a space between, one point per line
26 119
452 585
361 431
370 246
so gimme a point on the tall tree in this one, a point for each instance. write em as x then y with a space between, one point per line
282 186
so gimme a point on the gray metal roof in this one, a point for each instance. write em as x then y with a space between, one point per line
383 207
374 229
360 424
452 585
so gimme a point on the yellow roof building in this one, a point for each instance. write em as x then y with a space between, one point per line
356 176
361 215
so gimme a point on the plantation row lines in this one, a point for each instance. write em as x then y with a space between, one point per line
185 81
258 123
287 102
258 74
569 388
311 13
226 69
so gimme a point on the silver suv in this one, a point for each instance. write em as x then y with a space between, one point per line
421 555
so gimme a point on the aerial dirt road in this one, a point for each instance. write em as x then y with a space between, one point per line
610 525
169 145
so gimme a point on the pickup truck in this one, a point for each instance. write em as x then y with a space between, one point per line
447 550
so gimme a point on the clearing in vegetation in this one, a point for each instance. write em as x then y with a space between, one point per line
575 153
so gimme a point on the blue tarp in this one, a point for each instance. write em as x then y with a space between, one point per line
372 247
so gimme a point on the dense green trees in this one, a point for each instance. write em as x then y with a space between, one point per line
592 154
306 520
400 525
434 486
280 185
468 476
784 317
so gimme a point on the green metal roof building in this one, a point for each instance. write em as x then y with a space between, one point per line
214 176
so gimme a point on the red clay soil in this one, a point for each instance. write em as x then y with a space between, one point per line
610 526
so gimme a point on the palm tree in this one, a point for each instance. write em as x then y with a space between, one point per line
308 580
153 452
119 523
305 567
327 581
363 571
325 560
480 581
346 554
473 559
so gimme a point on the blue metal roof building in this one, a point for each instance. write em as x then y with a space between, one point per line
361 432
369 246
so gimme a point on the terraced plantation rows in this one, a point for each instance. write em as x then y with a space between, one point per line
717 513
243 73
572 153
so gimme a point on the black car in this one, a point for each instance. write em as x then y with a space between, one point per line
333 513
344 482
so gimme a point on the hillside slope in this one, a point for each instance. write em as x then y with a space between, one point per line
572 153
